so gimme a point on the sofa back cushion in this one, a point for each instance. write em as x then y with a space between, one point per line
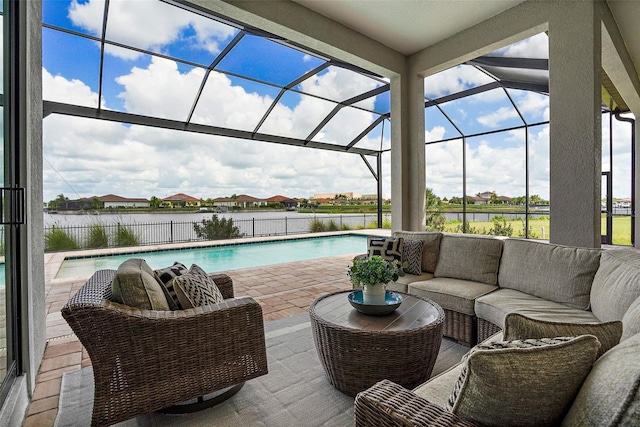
135 285
616 284
475 258
556 273
430 249
609 394
631 321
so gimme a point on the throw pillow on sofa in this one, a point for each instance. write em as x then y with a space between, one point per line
520 327
412 256
135 285
430 249
196 289
389 249
522 382
165 277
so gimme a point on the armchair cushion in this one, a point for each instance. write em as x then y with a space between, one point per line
165 277
412 256
135 285
196 289
504 382
520 327
389 249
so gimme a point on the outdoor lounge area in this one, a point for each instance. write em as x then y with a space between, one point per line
468 289
385 57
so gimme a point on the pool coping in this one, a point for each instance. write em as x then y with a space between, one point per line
53 261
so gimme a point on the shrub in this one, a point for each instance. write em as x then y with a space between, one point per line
462 228
215 229
97 237
58 239
125 236
317 226
332 226
500 227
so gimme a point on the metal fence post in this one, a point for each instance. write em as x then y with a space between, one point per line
286 226
171 231
253 227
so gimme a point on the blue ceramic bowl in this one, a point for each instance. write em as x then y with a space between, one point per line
391 302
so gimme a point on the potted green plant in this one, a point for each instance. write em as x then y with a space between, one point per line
373 274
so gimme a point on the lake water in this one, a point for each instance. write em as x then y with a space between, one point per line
160 228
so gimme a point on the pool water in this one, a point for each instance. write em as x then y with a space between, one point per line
225 257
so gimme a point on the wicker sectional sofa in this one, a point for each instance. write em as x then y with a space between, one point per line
518 297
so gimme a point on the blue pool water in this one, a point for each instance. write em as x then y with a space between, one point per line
226 257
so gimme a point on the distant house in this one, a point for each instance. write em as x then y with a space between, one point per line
287 202
181 200
485 198
227 202
113 201
246 201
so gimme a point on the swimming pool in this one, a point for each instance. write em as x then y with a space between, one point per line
225 257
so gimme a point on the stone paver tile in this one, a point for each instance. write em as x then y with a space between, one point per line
42 419
61 361
42 405
47 389
56 373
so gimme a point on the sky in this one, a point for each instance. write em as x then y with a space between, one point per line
85 157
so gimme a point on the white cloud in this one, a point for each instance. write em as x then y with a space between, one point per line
59 89
148 25
160 90
533 47
454 80
97 158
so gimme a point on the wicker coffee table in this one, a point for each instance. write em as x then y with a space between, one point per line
358 350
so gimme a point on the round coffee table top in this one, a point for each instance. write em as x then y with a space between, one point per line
413 313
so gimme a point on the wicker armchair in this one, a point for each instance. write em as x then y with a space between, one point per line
387 404
145 360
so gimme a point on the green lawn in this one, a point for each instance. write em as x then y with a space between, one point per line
539 228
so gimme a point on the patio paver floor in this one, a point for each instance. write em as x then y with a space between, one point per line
282 290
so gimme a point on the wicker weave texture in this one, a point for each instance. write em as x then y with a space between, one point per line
147 360
461 327
355 358
387 404
486 329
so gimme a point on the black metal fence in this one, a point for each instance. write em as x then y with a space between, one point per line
157 233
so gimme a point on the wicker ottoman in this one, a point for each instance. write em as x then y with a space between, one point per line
358 350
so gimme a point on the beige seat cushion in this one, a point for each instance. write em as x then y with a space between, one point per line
135 285
430 249
556 273
537 389
452 294
616 284
402 284
469 257
610 395
438 389
495 306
